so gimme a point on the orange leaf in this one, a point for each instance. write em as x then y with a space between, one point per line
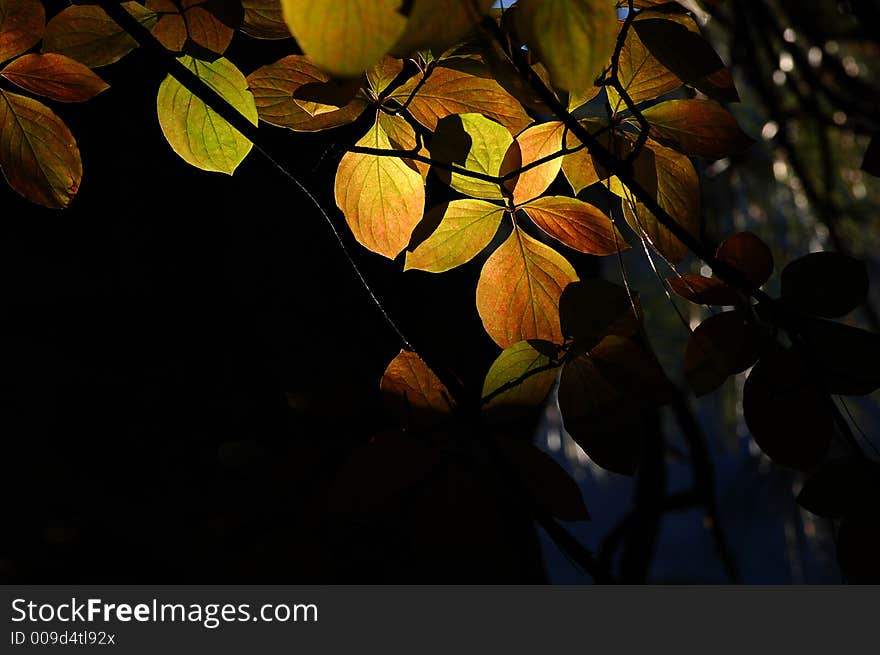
700 128
38 154
449 91
381 197
21 25
642 76
55 76
412 392
519 289
577 224
274 86
535 143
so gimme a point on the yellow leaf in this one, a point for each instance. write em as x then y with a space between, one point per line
577 224
196 132
572 38
520 379
465 228
473 142
519 289
346 37
381 197
536 142
38 154
642 76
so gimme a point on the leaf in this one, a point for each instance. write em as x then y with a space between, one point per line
449 91
787 415
578 167
437 24
519 379
592 309
55 76
577 224
195 131
38 154
519 289
381 197
838 487
602 420
572 38
384 73
704 290
826 284
700 128
640 74
402 136
535 143
88 35
848 357
463 229
274 87
749 255
344 38
263 20
552 488
475 143
412 392
678 193
192 21
21 25
722 345
858 542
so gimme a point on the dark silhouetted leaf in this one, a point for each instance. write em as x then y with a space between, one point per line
721 346
519 289
412 392
848 357
437 24
838 487
475 143
704 290
548 483
788 416
826 284
55 76
858 542
749 255
519 379
592 309
38 154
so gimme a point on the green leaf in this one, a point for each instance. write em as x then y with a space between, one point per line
475 143
519 379
463 229
21 25
572 38
700 128
788 416
38 154
344 38
381 197
88 35
195 131
577 224
519 289
826 284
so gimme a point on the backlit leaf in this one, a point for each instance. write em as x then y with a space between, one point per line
535 143
721 346
475 143
344 38
54 76
412 392
21 25
642 76
572 38
38 154
577 224
678 193
438 24
192 20
519 379
449 91
88 35
263 20
701 128
195 131
826 284
381 197
383 73
465 228
749 255
274 86
787 415
519 289
402 136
